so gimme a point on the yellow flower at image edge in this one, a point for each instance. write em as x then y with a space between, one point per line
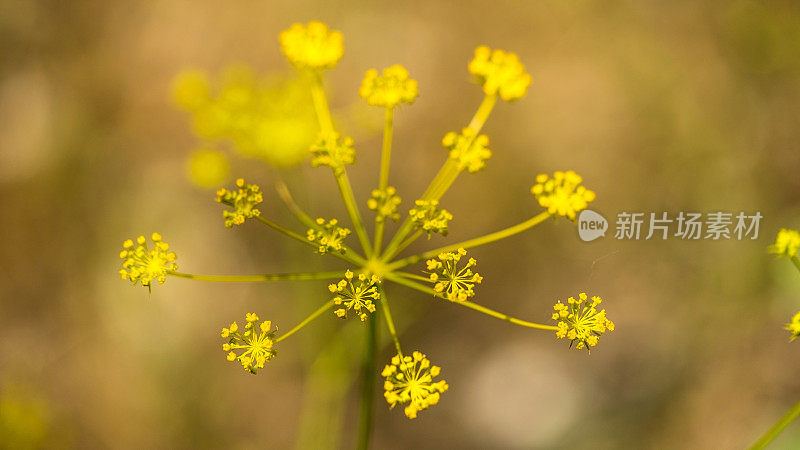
142 264
562 194
787 243
409 380
253 346
794 326
312 46
390 89
500 72
580 322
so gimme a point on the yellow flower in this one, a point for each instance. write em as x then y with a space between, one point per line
455 283
468 150
244 201
312 46
390 89
500 72
333 151
329 235
580 322
786 243
563 194
385 203
208 168
794 326
427 216
253 346
409 379
355 295
139 263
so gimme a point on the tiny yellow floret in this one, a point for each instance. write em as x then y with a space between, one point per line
580 322
389 89
333 151
562 194
329 235
143 265
243 200
427 216
454 283
385 203
313 46
467 149
500 72
254 344
409 380
355 294
787 243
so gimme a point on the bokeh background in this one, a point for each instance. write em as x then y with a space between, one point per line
661 106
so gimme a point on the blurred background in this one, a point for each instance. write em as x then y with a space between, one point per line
661 106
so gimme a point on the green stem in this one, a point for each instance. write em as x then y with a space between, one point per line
412 276
286 196
352 210
778 427
349 255
257 278
496 236
306 321
410 240
446 175
321 103
796 262
383 183
387 314
368 371
468 304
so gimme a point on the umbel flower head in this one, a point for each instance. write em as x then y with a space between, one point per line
427 216
409 380
329 235
243 200
333 151
385 203
390 89
786 243
139 263
794 326
469 150
455 283
355 294
580 322
312 46
562 194
253 346
500 72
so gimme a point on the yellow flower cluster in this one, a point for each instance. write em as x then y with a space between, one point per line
456 284
254 344
409 379
268 118
355 294
333 151
243 200
427 216
787 243
385 203
390 89
562 194
468 150
794 326
313 46
329 235
500 72
208 168
139 263
580 322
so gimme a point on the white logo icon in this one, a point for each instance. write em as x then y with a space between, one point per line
591 225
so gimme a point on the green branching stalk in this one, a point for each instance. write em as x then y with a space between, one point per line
258 278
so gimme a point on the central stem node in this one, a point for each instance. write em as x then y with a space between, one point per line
376 267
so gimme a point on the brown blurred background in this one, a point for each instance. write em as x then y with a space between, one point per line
661 106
